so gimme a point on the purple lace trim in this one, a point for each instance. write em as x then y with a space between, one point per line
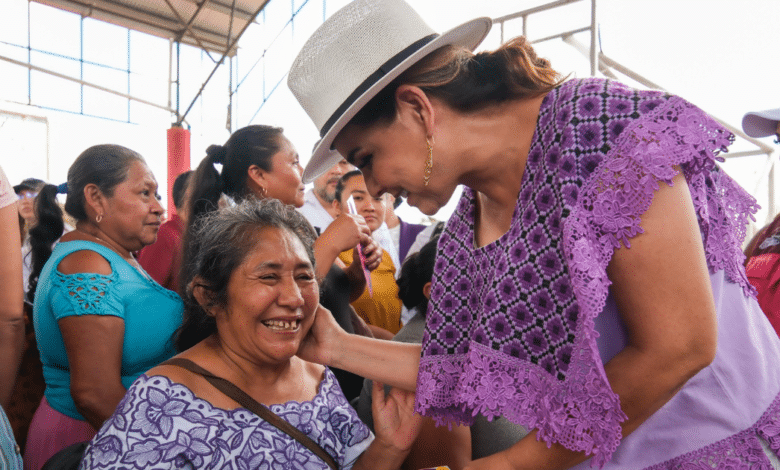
612 202
570 401
742 451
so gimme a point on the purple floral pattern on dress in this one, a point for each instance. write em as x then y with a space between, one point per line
160 424
598 154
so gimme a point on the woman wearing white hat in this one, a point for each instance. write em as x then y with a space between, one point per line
589 285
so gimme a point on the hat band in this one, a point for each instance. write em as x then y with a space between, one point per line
383 70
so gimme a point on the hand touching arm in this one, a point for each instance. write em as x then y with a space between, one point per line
396 425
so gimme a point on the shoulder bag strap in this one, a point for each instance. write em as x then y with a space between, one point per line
242 398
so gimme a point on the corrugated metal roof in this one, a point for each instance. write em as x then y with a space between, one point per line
211 25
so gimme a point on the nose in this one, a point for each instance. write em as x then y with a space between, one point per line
157 207
371 184
290 294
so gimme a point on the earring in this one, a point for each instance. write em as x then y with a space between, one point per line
262 192
428 163
99 218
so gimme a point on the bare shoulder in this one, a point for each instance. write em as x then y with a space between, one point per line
175 374
195 382
84 261
312 370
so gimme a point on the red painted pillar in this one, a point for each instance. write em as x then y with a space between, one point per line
178 159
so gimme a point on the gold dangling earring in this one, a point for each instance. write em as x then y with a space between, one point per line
262 192
428 163
99 218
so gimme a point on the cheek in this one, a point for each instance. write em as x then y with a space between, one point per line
311 298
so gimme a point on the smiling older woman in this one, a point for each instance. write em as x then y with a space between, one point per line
254 292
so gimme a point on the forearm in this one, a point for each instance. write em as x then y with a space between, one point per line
11 301
357 280
97 402
324 255
11 344
380 457
388 362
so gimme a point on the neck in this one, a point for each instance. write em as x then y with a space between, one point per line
250 375
392 221
494 167
328 206
95 234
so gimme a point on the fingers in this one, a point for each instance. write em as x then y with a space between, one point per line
347 230
373 253
377 394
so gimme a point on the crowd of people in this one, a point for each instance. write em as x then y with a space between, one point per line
589 301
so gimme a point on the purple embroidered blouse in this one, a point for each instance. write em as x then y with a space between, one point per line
514 327
162 425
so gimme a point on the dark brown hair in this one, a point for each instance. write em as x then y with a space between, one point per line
251 145
469 82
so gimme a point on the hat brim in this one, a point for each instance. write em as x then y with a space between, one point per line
468 35
761 123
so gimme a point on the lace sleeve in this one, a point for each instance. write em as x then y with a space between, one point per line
86 294
621 190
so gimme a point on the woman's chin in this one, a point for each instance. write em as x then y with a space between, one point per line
426 206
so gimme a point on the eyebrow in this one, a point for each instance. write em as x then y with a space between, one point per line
277 266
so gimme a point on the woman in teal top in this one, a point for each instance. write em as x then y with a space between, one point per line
100 320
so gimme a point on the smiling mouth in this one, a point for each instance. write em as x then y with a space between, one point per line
279 325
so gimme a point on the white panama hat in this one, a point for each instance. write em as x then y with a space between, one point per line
354 54
761 123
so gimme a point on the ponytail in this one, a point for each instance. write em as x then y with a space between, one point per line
44 233
250 145
206 183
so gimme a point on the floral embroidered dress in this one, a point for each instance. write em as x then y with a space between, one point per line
521 327
162 425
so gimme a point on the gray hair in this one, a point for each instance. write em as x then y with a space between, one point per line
219 243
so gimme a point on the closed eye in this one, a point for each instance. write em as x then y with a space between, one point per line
364 162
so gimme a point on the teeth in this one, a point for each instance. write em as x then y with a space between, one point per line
282 325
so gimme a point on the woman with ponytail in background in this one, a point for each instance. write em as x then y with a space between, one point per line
589 285
100 319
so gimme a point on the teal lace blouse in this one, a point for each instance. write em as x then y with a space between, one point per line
151 314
